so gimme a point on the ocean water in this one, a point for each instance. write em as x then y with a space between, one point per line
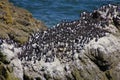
52 12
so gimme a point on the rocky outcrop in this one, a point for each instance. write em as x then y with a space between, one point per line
16 23
6 70
85 49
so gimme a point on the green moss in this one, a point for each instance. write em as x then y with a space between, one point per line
26 77
2 70
112 23
109 75
47 76
3 58
57 78
5 74
38 78
10 69
11 77
76 74
68 77
1 77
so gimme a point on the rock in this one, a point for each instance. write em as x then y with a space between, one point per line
74 50
113 73
6 49
103 52
5 74
17 68
11 52
76 74
82 52
26 77
3 58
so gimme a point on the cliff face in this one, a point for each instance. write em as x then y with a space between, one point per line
85 49
17 23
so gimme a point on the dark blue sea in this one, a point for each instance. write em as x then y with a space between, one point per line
52 12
